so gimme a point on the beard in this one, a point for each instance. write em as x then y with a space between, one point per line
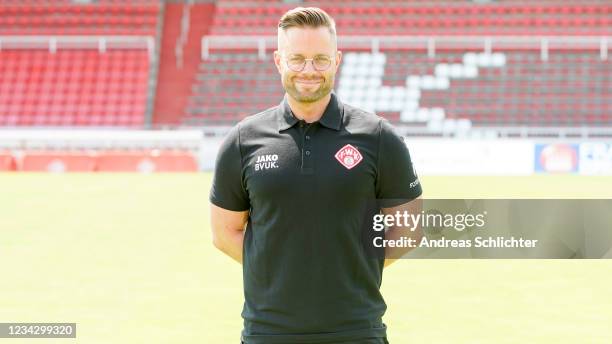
324 88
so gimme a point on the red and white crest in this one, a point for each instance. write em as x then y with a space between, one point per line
349 156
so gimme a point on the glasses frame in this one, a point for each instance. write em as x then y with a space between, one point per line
331 60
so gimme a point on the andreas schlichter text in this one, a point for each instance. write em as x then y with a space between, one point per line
478 242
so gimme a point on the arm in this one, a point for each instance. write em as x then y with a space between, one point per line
397 180
229 200
393 253
228 230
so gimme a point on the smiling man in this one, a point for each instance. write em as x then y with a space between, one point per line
288 199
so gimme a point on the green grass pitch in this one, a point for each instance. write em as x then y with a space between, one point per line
129 258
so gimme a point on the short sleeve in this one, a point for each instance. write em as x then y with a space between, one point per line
227 189
396 178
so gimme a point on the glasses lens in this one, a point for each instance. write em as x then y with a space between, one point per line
296 63
321 63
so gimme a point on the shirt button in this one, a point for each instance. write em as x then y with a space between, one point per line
307 137
307 152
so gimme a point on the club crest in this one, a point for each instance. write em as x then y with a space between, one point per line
348 156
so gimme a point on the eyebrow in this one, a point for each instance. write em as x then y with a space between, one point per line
300 55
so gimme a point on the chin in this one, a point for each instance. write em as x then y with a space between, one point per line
310 98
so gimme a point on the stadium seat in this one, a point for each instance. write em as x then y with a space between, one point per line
230 86
65 17
369 17
512 88
73 87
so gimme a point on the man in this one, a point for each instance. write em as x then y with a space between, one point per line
288 199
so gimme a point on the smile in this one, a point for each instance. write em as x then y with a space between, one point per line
308 81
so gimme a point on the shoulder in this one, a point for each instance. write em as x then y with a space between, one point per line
360 119
261 118
356 118
244 131
252 125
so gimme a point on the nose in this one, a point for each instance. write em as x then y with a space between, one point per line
309 64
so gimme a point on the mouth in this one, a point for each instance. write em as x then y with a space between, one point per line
308 82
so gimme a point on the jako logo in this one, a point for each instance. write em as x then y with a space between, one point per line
265 162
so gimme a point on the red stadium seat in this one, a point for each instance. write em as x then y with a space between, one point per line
71 81
511 17
67 18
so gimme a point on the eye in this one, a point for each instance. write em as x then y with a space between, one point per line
296 60
322 62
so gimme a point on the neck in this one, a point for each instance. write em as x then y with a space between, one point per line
309 112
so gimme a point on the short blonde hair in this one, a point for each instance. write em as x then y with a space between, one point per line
312 17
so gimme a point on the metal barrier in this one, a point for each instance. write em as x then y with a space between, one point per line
545 44
100 43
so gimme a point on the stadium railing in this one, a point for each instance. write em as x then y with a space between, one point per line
374 44
542 46
100 43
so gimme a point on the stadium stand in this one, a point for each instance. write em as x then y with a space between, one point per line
240 84
394 17
453 88
184 26
509 88
502 88
65 17
73 87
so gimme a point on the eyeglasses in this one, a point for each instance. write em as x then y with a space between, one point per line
320 63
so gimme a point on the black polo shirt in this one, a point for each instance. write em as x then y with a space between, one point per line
306 276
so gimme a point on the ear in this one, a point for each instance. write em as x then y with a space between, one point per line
277 61
338 59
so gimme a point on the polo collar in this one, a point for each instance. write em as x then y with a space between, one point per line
332 116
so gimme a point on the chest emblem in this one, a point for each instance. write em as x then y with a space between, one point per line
348 156
266 162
